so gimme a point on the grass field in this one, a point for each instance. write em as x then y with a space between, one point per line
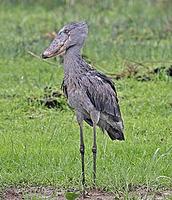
40 146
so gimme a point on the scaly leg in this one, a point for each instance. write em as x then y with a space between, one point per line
82 150
95 115
94 150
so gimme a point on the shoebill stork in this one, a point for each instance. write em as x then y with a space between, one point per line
91 93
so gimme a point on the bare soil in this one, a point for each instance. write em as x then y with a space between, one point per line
139 192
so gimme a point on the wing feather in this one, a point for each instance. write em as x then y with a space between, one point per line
102 94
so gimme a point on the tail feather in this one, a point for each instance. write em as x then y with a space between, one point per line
114 129
115 134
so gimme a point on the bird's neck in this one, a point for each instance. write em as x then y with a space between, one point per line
71 60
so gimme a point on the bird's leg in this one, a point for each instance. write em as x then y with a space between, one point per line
82 150
95 115
94 150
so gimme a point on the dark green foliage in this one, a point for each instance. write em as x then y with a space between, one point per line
51 99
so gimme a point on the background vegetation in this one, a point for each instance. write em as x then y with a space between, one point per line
40 146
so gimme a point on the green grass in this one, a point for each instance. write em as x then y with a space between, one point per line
40 146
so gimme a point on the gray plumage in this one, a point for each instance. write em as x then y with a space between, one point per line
91 93
86 89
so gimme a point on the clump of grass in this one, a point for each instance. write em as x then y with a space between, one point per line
51 99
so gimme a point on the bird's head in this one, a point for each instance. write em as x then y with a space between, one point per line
69 36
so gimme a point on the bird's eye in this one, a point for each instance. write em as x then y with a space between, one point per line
66 31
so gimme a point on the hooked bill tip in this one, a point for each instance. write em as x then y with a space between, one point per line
44 56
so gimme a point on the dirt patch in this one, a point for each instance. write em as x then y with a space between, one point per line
138 192
32 193
12 194
147 193
52 193
98 195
